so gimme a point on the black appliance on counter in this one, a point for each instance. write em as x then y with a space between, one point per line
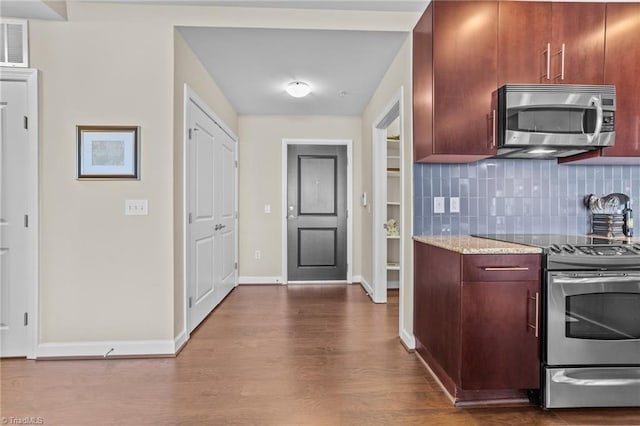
590 322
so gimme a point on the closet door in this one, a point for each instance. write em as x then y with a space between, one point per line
211 222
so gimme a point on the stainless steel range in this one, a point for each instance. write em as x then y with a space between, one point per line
591 320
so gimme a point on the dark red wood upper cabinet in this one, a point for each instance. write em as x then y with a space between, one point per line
622 63
577 43
423 86
545 42
523 36
454 74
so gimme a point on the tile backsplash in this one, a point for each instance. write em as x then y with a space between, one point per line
516 196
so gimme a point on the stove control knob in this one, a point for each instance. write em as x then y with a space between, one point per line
555 248
569 248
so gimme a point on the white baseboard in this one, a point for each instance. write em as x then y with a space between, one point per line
365 285
100 349
179 341
408 339
259 280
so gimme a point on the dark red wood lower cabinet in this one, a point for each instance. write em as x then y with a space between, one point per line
499 348
481 338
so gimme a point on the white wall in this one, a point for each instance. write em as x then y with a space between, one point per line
397 76
188 69
260 159
104 276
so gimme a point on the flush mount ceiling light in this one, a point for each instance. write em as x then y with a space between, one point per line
298 89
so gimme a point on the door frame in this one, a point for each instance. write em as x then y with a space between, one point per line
393 109
191 95
331 142
30 77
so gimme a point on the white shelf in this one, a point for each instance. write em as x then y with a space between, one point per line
393 266
393 174
393 237
393 140
393 203
393 157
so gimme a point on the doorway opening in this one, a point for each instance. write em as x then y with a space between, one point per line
316 201
389 204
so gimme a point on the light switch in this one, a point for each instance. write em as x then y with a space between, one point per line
454 205
136 207
438 204
267 208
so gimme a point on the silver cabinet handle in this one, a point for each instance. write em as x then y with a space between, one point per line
562 64
561 53
537 323
505 268
547 53
493 140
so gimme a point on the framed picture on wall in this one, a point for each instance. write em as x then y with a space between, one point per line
108 152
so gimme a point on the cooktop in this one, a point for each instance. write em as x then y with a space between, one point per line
548 240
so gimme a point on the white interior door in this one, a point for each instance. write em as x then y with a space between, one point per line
14 243
225 193
211 203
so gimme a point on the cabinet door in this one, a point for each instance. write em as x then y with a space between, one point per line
622 63
522 52
436 301
580 27
423 86
465 66
500 349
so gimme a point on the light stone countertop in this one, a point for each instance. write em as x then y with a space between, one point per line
466 244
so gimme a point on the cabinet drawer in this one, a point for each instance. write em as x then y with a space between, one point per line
499 267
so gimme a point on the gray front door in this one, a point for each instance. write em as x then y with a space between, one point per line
316 212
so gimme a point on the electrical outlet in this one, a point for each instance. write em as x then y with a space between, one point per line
136 207
454 205
438 204
267 208
257 254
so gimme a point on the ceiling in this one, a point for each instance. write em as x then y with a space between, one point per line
55 10
252 66
374 5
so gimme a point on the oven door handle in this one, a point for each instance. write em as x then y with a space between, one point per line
562 377
583 283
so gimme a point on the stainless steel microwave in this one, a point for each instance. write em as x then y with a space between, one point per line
554 120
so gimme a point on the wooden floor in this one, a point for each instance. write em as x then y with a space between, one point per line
268 355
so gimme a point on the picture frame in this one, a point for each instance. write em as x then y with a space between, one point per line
108 152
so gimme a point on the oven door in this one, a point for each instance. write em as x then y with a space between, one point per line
593 318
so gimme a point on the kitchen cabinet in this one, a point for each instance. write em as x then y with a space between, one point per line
454 73
622 62
476 321
551 42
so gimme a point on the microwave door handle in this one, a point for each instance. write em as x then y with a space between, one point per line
599 117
